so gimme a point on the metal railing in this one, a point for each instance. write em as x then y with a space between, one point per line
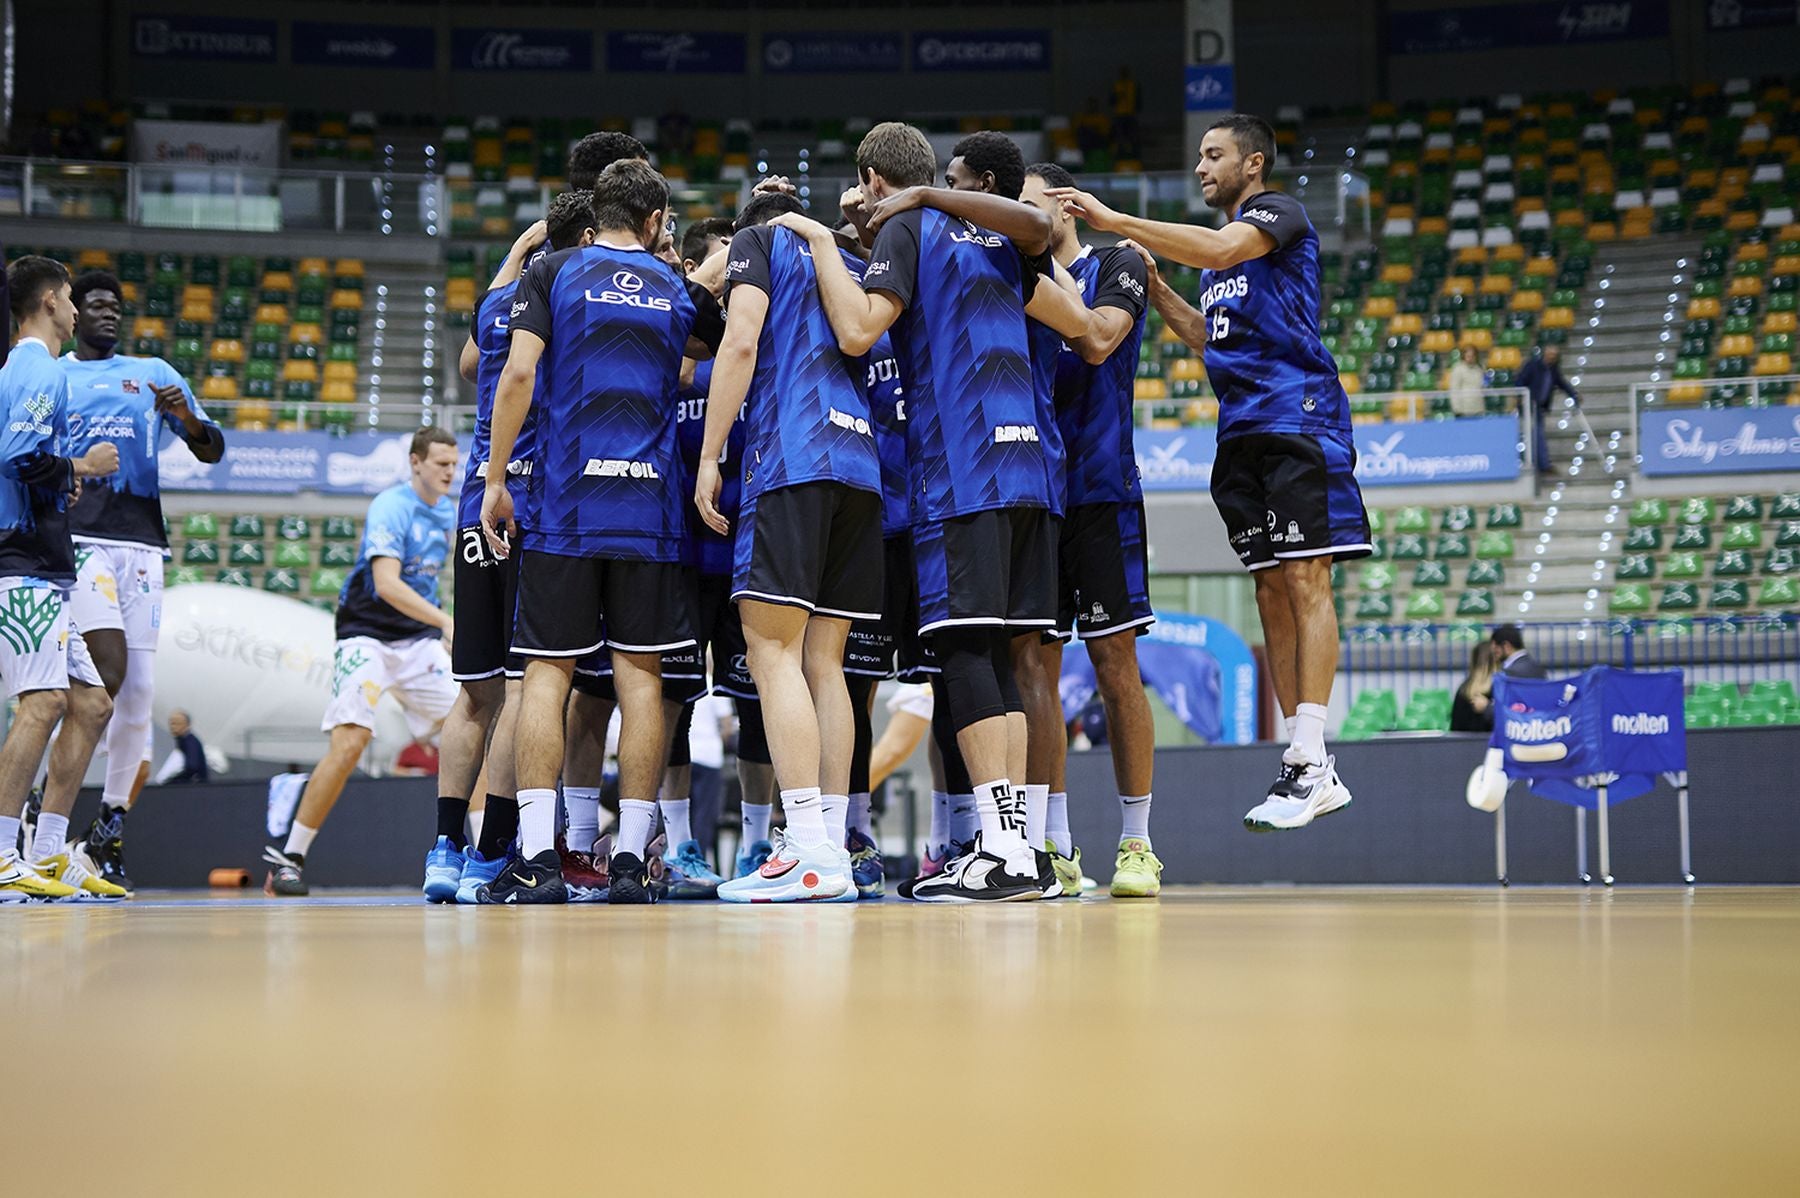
316 415
1405 658
1656 394
157 195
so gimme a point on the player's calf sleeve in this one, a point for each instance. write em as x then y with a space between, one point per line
129 730
943 733
860 685
753 738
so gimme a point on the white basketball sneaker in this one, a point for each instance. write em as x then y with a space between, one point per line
1303 792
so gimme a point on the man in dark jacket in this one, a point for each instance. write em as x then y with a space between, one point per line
1542 377
1514 661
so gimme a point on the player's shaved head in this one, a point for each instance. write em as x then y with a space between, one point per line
899 153
992 161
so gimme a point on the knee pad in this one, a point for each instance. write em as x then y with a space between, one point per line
753 740
943 733
971 676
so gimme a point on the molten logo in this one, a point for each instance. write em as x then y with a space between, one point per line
1641 724
1538 728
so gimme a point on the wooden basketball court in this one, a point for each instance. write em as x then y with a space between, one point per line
1229 1041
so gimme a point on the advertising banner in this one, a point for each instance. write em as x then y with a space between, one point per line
522 50
207 143
400 47
1500 26
982 50
203 39
1202 670
283 463
1477 449
1718 440
812 53
675 52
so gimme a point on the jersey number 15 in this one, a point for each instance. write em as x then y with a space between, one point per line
1218 326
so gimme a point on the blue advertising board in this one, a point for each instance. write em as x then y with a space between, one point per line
1499 26
1477 449
204 39
811 53
982 50
1718 441
675 52
396 47
1725 15
283 463
1211 87
522 50
1202 670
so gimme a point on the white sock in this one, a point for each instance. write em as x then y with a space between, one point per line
475 818
862 815
1134 818
299 841
965 821
678 820
939 836
1002 813
837 817
1056 824
1288 723
1037 813
52 832
583 806
804 809
756 822
115 802
637 818
537 821
1308 743
9 834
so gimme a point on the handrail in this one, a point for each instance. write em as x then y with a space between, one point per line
307 415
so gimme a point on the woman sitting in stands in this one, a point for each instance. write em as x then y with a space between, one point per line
1473 708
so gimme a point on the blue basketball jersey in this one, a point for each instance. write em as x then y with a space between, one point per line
887 405
1093 403
973 442
809 414
110 399
1046 345
400 525
706 548
34 518
1263 353
493 340
614 322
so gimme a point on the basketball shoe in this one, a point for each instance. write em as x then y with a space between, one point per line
979 876
19 882
526 880
631 883
751 859
865 865
687 875
793 873
443 871
62 867
477 871
102 849
1068 871
1138 872
1302 792
585 874
286 877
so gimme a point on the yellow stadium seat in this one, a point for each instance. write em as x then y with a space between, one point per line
1528 301
1603 230
1497 285
1379 307
1397 272
309 334
1569 218
1745 285
1742 222
348 298
1736 345
1505 357
1706 308
129 293
1405 408
203 313
1481 339
340 372
1471 253
1539 267
219 387
253 416
1406 324
1787 264
278 280
1752 251
1433 226
151 326
1438 341
298 370
197 293
1770 364
1511 252
271 314
93 260
338 391
1352 384
352 267
1557 318
1780 322
487 153
1686 393
231 350
1457 285
1150 389
310 267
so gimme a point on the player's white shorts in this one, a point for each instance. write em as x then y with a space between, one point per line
418 672
119 586
39 649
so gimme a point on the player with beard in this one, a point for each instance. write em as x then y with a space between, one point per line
1284 479
120 544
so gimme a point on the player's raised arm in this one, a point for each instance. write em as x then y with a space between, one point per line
857 316
1190 245
1181 317
1018 222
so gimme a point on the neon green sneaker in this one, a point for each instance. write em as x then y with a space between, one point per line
1137 873
1068 870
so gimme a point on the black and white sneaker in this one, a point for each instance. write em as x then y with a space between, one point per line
629 879
979 876
102 849
1302 792
286 877
526 880
1049 885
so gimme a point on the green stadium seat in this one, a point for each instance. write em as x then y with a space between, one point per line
231 576
1375 606
1457 518
1409 547
292 555
1781 560
1494 544
1786 506
1743 507
1643 540
1683 564
246 527
200 553
1649 511
1451 544
1733 563
1731 593
1378 549
1412 519
337 553
1695 509
1743 536
1427 710
1780 591
281 582
1779 691
184 575
339 528
1375 576
1629 598
1378 520
1635 566
1431 574
1425 605
293 528
1479 602
1679 596
200 524
326 583
246 553
1693 536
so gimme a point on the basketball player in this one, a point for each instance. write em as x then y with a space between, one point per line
1284 479
597 151
43 660
120 544
607 533
391 635
983 542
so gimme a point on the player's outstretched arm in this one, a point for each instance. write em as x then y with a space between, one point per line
1190 245
1182 317
1020 223
392 590
733 368
858 317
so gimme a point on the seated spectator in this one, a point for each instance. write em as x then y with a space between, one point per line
1466 382
187 763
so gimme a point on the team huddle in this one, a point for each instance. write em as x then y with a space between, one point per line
781 461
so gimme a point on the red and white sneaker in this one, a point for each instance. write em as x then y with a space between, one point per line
793 873
583 873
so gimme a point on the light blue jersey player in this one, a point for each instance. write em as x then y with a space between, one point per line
139 405
1284 480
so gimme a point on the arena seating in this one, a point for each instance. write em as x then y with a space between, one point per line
1719 555
306 558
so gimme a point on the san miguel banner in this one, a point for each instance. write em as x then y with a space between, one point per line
1719 440
1501 26
522 50
284 463
1477 449
207 143
403 47
203 39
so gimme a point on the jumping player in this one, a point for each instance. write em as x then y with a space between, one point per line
391 635
1284 479
43 660
120 545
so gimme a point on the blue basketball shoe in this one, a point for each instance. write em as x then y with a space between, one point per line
477 871
751 859
443 871
687 875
